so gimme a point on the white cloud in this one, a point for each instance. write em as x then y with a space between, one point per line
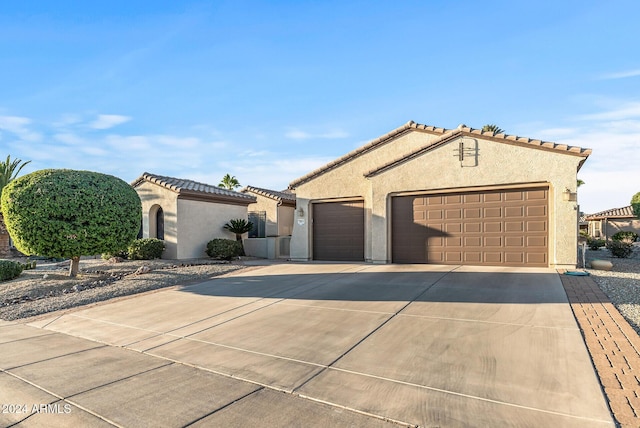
130 144
69 138
106 121
297 134
626 110
620 75
611 172
19 127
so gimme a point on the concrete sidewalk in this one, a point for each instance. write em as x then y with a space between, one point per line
314 344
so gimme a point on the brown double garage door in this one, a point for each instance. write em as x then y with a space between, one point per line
497 228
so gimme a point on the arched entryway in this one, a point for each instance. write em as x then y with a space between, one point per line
156 222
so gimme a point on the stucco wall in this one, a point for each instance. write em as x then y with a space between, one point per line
285 220
496 164
152 195
199 222
269 206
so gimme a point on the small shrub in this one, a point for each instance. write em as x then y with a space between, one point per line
145 249
224 249
9 270
627 236
122 254
620 249
595 244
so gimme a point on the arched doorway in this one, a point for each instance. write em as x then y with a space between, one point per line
156 222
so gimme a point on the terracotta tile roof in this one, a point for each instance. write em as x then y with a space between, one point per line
273 194
624 212
445 135
189 189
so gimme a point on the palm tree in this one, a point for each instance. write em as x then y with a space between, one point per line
579 183
238 226
9 171
493 128
229 182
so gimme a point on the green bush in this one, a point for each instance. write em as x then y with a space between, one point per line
595 244
224 249
620 249
625 236
145 249
9 270
67 214
122 254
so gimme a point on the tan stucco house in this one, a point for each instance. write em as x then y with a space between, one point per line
422 194
605 224
187 214
272 216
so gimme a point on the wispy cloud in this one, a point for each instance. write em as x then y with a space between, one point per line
106 121
624 110
19 126
297 134
620 75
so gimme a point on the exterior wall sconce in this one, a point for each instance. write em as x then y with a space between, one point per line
300 212
569 196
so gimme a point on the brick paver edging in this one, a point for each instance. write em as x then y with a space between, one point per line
613 344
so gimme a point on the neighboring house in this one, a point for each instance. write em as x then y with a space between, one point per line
272 216
187 214
605 224
5 240
421 194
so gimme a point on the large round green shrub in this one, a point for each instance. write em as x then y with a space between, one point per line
145 249
10 269
224 249
68 214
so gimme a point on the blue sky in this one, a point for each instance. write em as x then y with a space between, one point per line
268 91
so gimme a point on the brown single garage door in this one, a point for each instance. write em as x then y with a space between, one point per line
498 228
338 231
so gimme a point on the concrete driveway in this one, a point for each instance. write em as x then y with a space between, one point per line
313 344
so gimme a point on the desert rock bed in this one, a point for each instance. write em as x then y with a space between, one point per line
48 287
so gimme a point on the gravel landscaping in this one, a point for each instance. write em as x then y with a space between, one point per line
48 288
621 284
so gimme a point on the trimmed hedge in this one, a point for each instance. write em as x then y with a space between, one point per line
145 249
595 244
224 249
625 236
67 214
10 269
620 249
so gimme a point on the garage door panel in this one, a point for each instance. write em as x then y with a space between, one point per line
492 197
493 227
502 227
514 226
514 241
492 258
514 258
494 212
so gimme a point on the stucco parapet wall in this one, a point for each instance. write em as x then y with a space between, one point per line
446 135
285 198
195 191
486 135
